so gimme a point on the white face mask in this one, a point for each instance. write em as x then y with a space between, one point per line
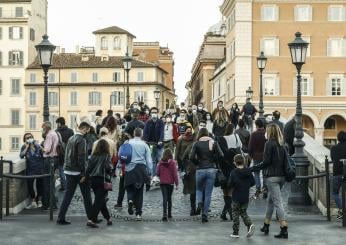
154 116
200 108
208 117
30 141
220 106
201 126
168 119
194 111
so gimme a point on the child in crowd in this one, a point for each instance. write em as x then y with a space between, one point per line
168 172
241 180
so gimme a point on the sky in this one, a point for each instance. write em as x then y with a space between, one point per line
180 24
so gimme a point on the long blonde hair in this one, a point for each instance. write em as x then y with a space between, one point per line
274 132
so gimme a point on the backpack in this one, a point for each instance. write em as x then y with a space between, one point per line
248 109
125 153
289 167
61 147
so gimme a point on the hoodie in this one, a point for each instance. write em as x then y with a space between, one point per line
168 172
241 180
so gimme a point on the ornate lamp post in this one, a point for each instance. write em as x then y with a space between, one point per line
45 52
261 64
127 63
157 95
249 93
299 188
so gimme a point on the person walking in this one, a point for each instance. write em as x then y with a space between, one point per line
273 171
138 173
75 164
183 142
201 113
241 180
170 133
289 130
98 121
32 152
111 125
256 149
221 119
104 135
337 153
203 155
276 120
99 172
168 172
209 122
109 114
133 124
249 112
244 135
235 114
182 122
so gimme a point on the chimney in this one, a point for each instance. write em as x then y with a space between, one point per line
77 49
57 50
62 50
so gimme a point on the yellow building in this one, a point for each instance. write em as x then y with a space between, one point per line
82 83
268 26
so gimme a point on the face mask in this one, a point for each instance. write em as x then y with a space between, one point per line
30 141
208 117
168 119
220 106
200 108
182 116
135 106
200 126
147 112
154 116
194 111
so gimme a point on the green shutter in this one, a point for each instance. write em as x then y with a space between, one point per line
21 32
10 33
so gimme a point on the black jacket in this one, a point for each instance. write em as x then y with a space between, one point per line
273 160
131 126
99 166
218 130
338 152
202 156
76 154
65 133
241 180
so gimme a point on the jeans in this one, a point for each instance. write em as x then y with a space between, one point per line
62 176
39 188
167 191
274 185
121 192
240 210
46 182
257 175
135 194
205 179
71 184
100 199
156 155
169 145
337 183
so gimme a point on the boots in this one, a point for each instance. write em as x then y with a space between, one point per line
225 209
283 233
199 208
265 229
230 208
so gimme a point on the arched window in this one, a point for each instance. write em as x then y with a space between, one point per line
117 43
330 123
104 43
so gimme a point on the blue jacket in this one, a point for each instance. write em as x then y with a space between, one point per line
34 159
153 131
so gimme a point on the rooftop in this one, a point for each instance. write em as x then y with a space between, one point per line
113 30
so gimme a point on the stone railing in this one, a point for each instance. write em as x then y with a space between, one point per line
18 191
317 187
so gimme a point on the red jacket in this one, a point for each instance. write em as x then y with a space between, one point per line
168 172
175 132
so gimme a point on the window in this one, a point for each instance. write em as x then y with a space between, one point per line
0 12
116 76
15 32
141 96
73 77
53 99
232 50
104 43
32 122
19 11
32 34
15 86
32 78
303 13
269 13
15 143
117 43
330 123
140 76
51 78
73 98
304 86
307 39
336 13
0 33
15 58
336 47
95 77
32 99
73 121
271 85
231 20
0 87
15 117
270 46
52 120
95 98
0 58
336 86
117 98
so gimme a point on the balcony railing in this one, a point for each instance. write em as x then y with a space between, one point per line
11 14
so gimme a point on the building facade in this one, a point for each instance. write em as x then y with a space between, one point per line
82 83
268 26
22 24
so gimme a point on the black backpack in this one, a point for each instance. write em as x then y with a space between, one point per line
289 166
61 147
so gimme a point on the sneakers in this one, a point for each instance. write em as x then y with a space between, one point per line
250 231
340 215
32 205
39 204
199 208
235 235
130 208
138 218
204 218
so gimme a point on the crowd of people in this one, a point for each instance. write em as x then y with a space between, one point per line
205 150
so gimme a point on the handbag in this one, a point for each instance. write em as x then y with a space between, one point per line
289 167
106 185
220 179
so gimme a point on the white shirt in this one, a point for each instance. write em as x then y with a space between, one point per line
168 132
232 141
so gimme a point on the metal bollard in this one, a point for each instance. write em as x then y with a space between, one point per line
1 184
8 188
326 166
51 189
343 196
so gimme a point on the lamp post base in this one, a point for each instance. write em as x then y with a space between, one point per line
299 194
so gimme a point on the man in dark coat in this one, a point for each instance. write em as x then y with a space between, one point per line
133 124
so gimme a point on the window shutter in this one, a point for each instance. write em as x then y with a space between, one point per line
330 13
328 87
310 12
10 58
10 33
121 98
21 32
295 13
0 32
0 58
145 97
343 86
343 47
277 13
90 98
329 47
277 86
277 47
21 58
311 86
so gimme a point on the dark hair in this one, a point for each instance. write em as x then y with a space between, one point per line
118 115
241 123
183 110
202 133
167 154
25 135
110 112
60 120
341 136
188 127
99 113
84 125
239 160
111 124
153 108
102 147
202 121
138 132
168 115
229 129
259 123
276 115
208 113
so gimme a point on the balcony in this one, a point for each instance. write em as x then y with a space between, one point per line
14 16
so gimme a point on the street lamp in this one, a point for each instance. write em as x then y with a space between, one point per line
112 98
157 94
261 64
127 63
45 52
249 93
299 188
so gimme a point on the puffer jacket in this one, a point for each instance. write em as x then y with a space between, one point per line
203 153
273 159
76 154
99 166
